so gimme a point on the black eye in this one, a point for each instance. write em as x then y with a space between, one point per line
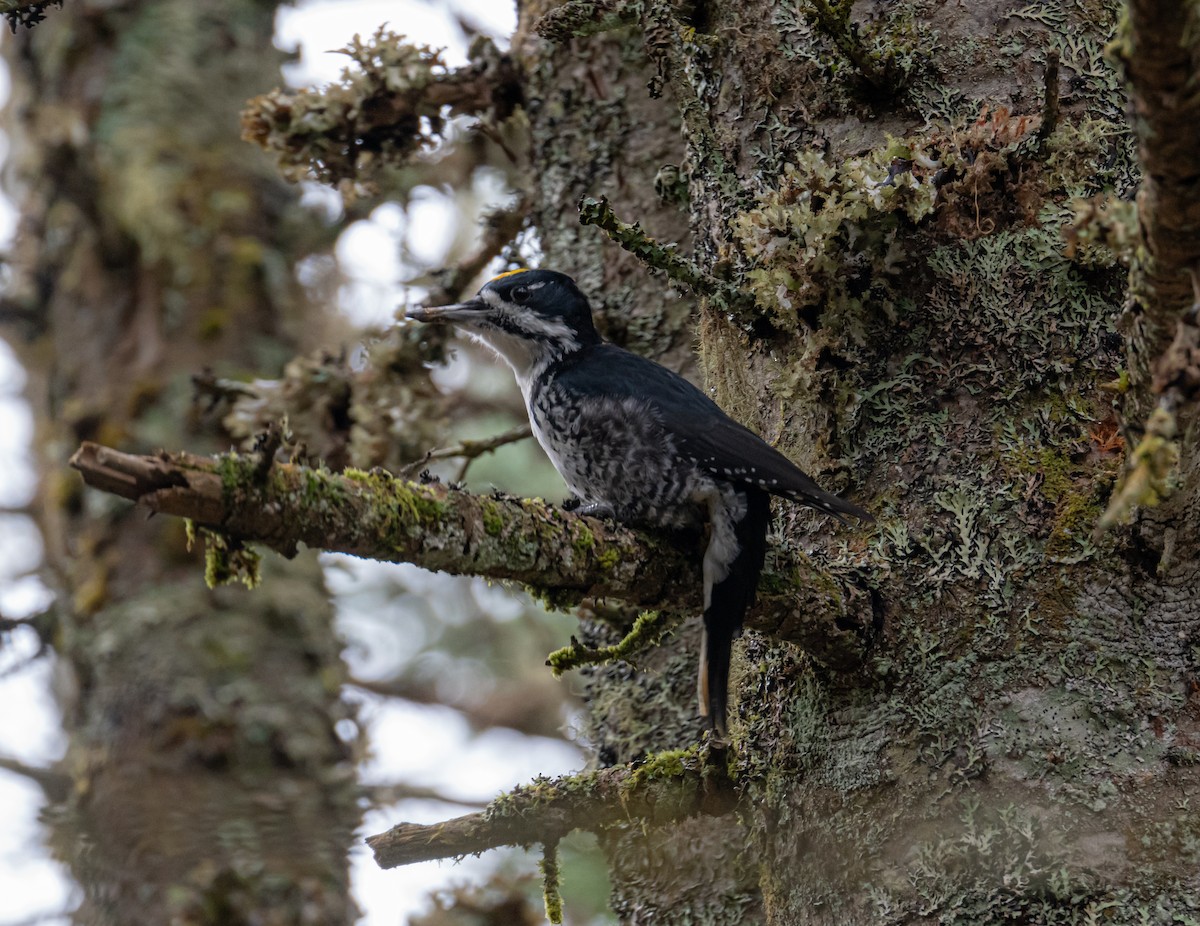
520 295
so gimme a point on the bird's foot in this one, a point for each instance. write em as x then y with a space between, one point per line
602 510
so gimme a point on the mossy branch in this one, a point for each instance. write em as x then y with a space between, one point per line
551 882
647 631
1148 470
670 787
563 556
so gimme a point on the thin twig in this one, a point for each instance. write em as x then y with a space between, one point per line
387 795
55 785
579 18
499 229
647 631
469 449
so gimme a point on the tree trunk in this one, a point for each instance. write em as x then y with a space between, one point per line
1019 743
207 784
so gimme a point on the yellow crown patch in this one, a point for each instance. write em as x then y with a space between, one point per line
508 273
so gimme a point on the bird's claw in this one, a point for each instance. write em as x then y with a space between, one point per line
601 510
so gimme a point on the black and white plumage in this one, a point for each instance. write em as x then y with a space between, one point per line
641 444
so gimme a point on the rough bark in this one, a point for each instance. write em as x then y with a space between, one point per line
1160 57
201 747
921 337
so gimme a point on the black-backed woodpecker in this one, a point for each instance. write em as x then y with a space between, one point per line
641 444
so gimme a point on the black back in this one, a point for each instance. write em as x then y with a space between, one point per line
700 428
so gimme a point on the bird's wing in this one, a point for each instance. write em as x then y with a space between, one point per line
700 429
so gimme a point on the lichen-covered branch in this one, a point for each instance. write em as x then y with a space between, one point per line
648 630
562 556
1148 468
632 238
670 787
1161 54
381 113
579 18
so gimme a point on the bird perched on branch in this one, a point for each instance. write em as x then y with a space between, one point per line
640 444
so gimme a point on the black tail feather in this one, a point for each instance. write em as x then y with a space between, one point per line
730 600
831 504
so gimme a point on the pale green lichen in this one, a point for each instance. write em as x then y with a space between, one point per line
798 234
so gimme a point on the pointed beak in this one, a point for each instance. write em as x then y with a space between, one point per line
461 312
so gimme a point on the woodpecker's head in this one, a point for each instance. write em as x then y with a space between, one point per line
526 316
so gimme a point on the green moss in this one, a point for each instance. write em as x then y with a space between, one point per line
493 520
539 793
583 540
553 599
1074 523
648 630
551 893
413 506
662 766
228 560
237 474
608 558
1055 467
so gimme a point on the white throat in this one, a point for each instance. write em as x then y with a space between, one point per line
528 356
